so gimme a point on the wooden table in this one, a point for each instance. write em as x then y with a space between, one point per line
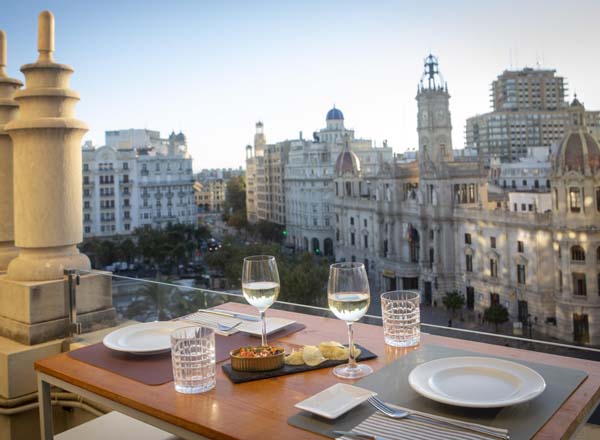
260 409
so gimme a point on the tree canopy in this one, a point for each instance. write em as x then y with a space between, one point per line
303 277
235 203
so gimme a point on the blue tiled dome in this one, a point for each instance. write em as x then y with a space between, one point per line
335 114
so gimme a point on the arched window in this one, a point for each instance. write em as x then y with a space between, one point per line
577 253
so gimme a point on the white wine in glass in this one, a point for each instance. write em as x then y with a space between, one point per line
260 285
349 297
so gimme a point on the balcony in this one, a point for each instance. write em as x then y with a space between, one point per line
49 295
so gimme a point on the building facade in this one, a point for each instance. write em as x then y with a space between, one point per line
309 182
434 225
136 179
529 109
265 198
209 195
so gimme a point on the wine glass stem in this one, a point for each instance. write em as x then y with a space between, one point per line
351 360
264 328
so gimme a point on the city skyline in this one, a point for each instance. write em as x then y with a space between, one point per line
212 71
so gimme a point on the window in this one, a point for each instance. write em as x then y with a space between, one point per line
522 206
352 239
560 280
575 199
493 268
521 273
352 221
577 253
86 167
431 258
493 242
469 263
366 241
472 193
520 247
414 251
86 180
365 222
579 284
88 229
467 238
385 248
337 235
494 298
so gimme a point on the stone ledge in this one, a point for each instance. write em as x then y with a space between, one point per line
31 334
42 301
17 376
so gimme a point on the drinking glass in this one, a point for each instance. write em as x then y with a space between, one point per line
401 318
193 357
349 297
260 285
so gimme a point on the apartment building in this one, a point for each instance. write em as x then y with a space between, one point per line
136 179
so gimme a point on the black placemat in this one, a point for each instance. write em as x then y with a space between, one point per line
245 376
157 369
391 384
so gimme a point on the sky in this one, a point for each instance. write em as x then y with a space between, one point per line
214 68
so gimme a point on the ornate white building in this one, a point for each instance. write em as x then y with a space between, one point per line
136 179
430 225
309 188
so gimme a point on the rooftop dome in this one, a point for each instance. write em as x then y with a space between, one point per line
347 163
578 151
335 114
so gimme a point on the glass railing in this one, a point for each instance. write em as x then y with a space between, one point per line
144 299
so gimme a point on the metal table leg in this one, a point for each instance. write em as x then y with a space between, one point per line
45 404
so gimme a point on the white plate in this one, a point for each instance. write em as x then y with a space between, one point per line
145 338
476 382
335 400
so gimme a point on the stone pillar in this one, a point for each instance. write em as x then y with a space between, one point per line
48 209
8 112
48 170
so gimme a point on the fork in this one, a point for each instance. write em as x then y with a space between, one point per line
401 414
356 435
220 327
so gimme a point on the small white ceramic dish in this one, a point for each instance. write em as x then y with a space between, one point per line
476 382
335 400
144 339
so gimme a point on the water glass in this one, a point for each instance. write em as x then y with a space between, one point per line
401 318
193 357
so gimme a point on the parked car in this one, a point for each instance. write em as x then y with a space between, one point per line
213 245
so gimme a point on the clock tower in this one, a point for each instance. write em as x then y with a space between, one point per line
433 126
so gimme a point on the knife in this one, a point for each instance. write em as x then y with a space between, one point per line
232 315
356 435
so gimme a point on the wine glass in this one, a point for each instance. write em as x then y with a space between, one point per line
348 295
260 285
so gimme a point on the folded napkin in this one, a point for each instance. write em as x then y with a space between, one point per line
417 429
